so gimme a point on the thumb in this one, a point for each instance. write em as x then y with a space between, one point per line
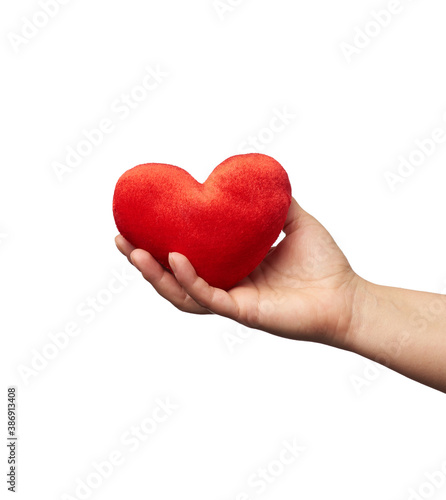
295 212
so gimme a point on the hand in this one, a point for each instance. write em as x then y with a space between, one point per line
304 288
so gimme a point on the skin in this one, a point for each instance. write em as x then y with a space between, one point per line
305 289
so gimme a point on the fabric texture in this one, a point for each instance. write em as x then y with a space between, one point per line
224 226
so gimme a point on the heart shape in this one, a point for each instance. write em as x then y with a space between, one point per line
224 226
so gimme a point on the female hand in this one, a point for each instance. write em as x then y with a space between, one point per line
303 289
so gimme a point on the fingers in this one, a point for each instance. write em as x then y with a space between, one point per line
186 290
164 283
291 222
124 246
214 299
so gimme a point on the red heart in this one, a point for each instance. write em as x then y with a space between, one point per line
224 226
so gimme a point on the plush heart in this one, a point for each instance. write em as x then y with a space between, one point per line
224 226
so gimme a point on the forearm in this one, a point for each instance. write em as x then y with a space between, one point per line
404 330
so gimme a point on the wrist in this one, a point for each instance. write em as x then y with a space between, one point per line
365 303
380 327
401 329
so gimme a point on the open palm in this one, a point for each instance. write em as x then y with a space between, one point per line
303 289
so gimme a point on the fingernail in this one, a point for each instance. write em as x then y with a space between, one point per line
172 263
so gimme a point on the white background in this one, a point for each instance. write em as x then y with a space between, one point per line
227 73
